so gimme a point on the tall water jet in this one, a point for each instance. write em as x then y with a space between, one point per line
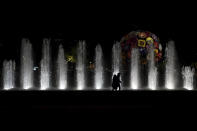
8 75
134 76
81 57
170 80
99 67
61 69
26 65
188 77
45 66
116 58
152 71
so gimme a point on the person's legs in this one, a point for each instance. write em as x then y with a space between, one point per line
115 88
119 87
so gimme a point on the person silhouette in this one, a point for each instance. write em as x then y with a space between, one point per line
114 85
116 82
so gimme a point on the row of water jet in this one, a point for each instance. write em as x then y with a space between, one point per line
81 62
152 71
170 74
26 67
8 74
98 68
45 66
61 69
188 77
134 74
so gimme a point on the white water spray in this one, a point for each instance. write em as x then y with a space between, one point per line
26 65
134 76
170 81
188 77
152 72
8 74
45 66
116 58
99 67
61 69
81 56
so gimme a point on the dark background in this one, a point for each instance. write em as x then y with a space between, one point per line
96 22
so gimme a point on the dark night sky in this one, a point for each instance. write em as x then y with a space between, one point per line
96 23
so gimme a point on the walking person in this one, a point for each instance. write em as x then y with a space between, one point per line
116 82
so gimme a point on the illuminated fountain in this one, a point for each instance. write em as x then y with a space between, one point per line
152 72
99 68
82 76
26 65
8 74
134 76
170 81
81 57
45 66
61 69
116 58
188 77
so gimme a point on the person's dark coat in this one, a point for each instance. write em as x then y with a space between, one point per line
114 82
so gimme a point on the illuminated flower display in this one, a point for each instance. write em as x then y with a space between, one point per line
141 40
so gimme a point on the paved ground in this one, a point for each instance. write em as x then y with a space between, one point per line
98 107
76 101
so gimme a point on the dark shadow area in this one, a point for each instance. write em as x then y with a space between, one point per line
99 101
99 107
